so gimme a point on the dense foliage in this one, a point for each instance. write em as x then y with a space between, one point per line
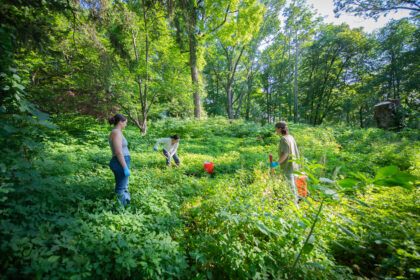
60 217
257 60
67 65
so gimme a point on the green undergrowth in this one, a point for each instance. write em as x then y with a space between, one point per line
60 217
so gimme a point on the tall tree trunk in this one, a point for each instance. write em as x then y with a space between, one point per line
194 73
280 107
139 122
289 99
397 79
229 97
296 113
230 79
393 76
268 106
143 85
142 121
146 82
241 97
217 87
248 105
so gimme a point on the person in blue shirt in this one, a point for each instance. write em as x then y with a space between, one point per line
120 161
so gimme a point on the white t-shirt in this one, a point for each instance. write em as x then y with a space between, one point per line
171 149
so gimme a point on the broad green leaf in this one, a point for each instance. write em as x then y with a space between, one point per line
311 239
401 179
405 177
302 224
18 86
359 176
16 77
348 183
53 259
261 227
307 248
386 172
329 192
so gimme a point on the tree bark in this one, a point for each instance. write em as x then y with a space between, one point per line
146 82
248 105
268 103
230 78
194 71
139 122
289 99
296 113
241 97
229 97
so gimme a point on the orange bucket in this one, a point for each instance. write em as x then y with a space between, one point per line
302 185
208 166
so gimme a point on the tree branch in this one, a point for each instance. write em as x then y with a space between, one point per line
151 102
224 20
237 61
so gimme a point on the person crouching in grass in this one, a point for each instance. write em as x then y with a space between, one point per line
169 149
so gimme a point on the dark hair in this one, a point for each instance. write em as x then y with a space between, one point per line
175 137
283 128
116 119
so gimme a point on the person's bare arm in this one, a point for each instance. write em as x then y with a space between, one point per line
116 139
283 157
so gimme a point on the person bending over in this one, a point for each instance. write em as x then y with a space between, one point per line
170 145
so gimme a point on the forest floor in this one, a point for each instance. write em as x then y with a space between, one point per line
61 219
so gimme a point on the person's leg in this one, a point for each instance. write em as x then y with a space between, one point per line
176 159
122 192
125 192
121 181
291 180
168 158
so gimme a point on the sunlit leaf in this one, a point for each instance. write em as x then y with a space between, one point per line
348 183
307 248
386 172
